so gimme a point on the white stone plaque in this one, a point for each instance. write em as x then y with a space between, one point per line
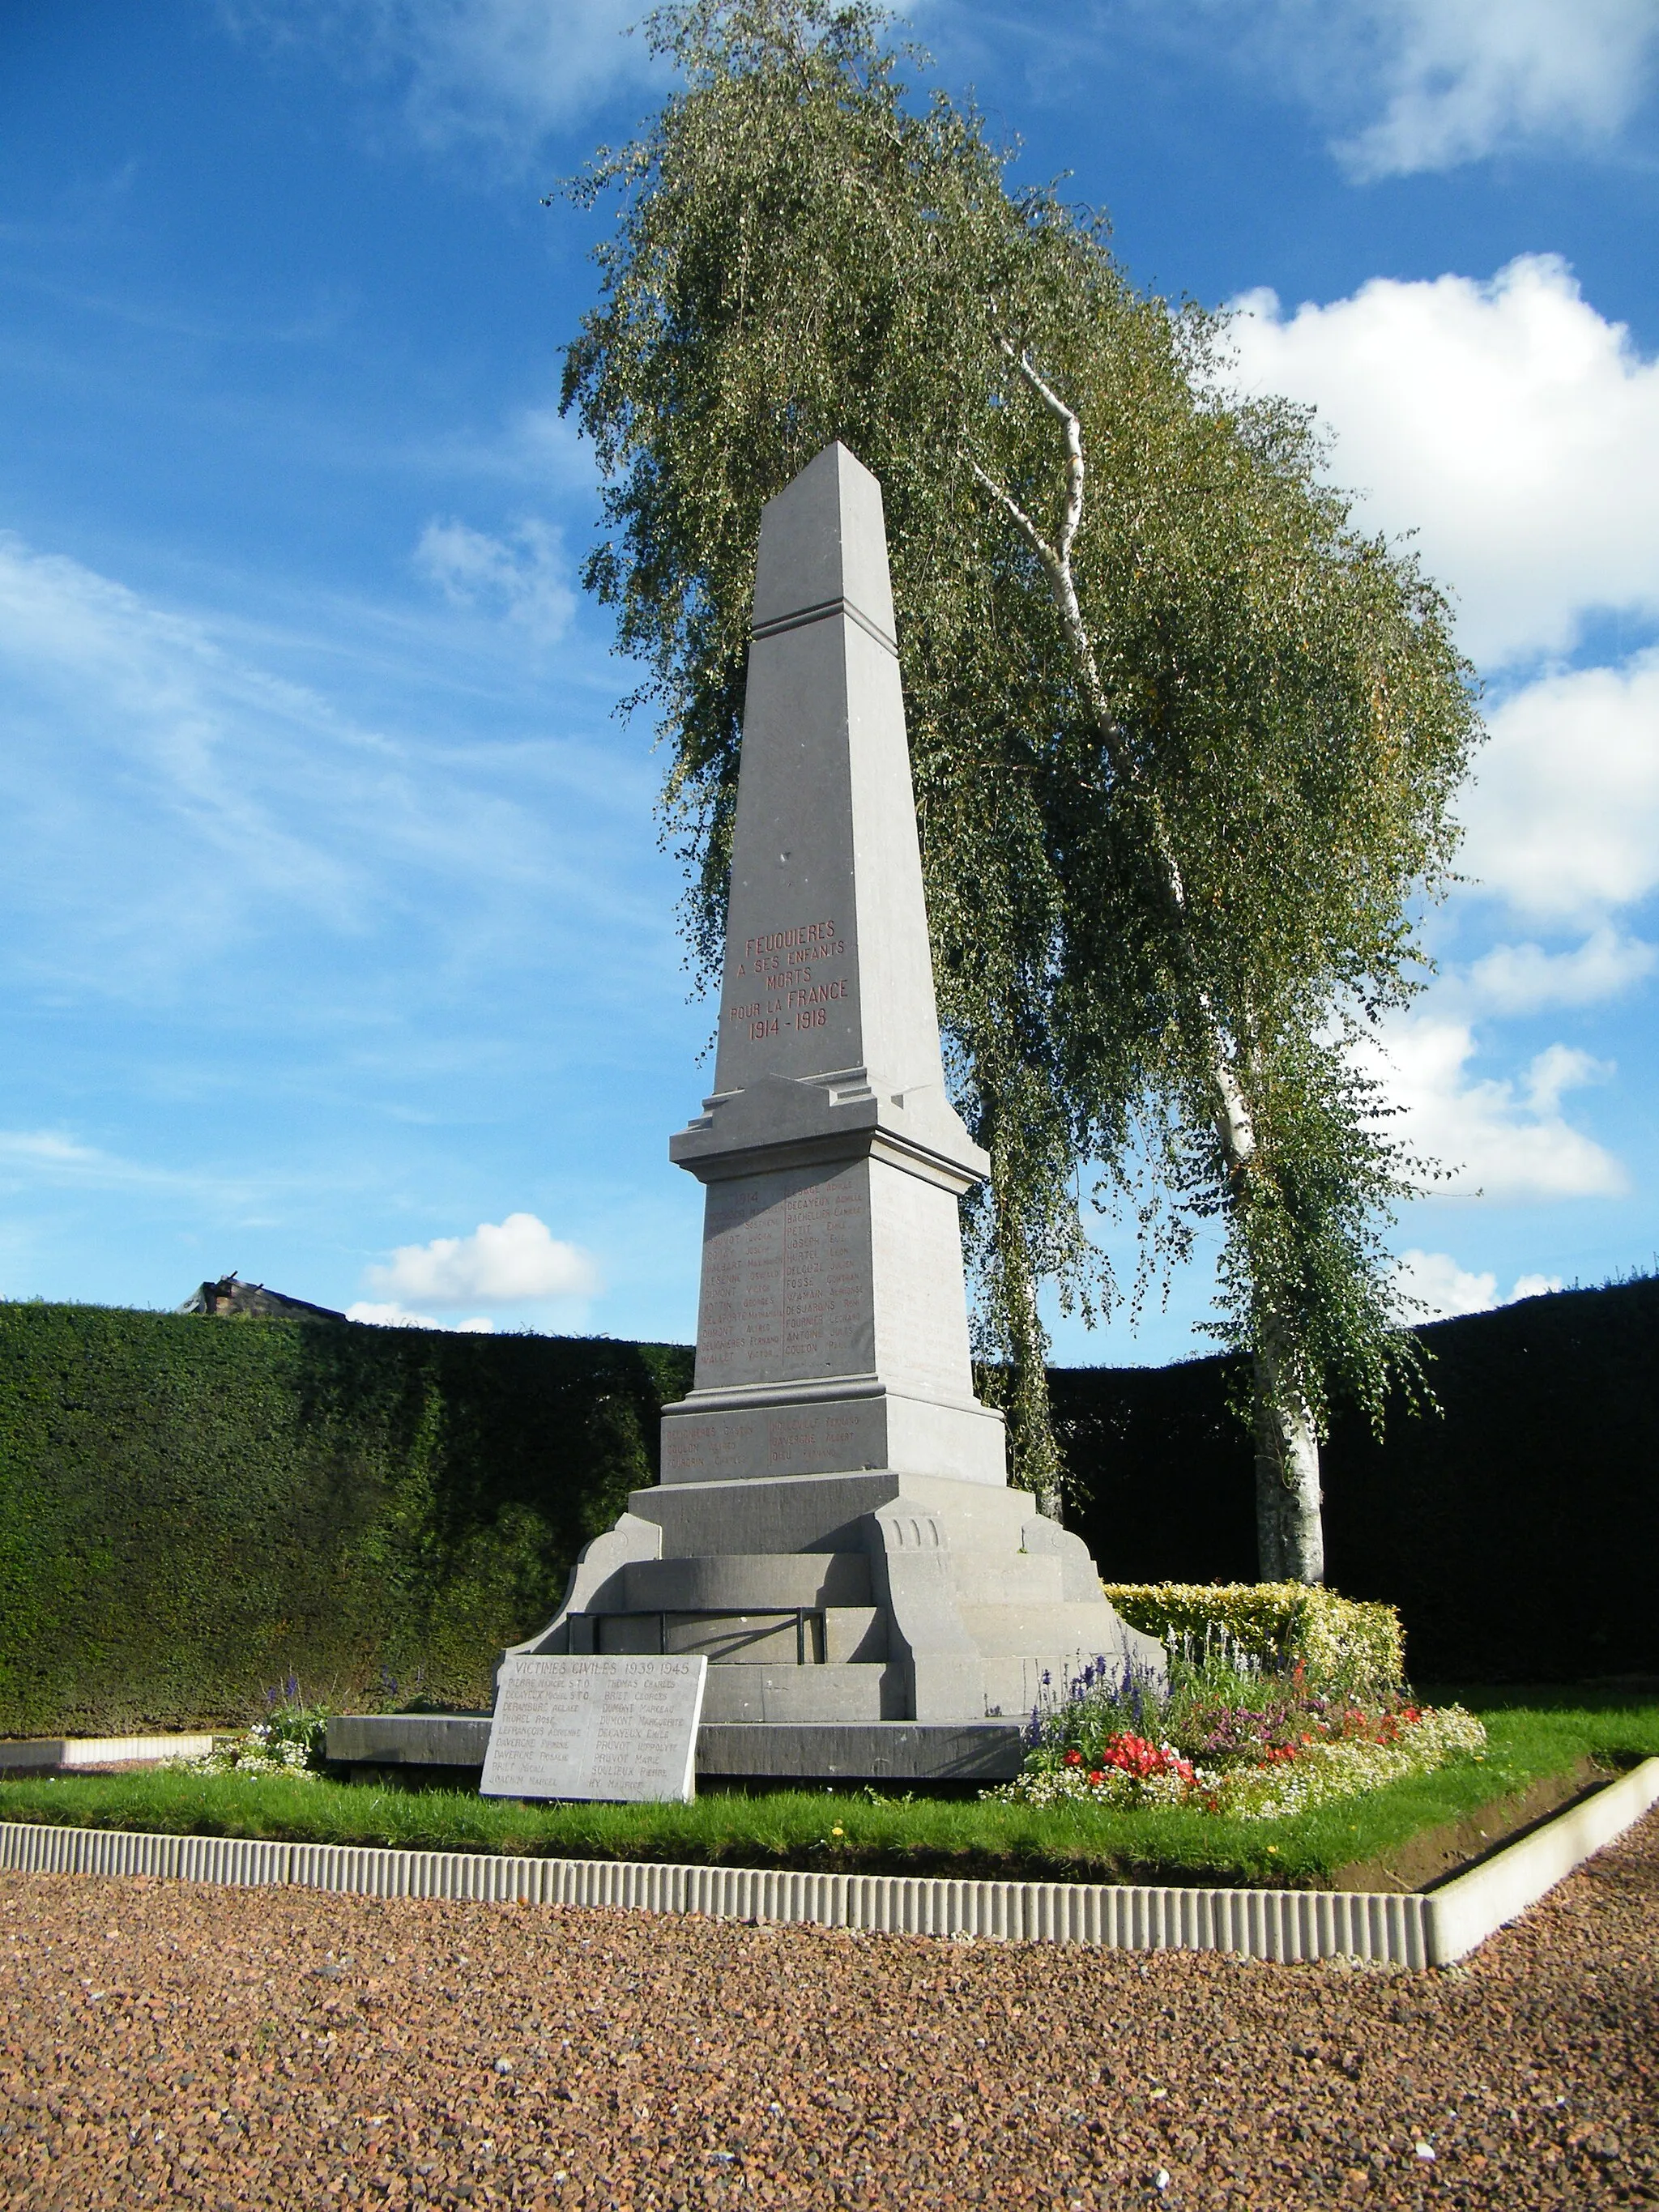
621 1726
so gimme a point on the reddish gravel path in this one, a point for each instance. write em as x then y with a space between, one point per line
167 2044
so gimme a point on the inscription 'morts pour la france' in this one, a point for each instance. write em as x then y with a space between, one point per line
780 980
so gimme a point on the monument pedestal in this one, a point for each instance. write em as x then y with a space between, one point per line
870 1601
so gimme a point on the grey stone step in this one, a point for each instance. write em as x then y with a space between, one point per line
856 1632
846 1750
1007 1579
753 1581
873 1751
1070 1634
851 1692
801 1637
825 1513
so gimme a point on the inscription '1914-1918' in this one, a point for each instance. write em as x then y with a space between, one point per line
783 966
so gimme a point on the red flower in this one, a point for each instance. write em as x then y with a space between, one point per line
1096 1776
1074 1759
1133 1754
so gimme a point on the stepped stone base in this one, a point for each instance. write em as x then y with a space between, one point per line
861 1626
876 1607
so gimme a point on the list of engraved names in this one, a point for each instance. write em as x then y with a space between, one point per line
621 1726
786 1277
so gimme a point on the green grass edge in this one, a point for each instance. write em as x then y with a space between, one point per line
1532 1736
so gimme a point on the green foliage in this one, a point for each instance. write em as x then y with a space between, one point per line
1183 741
920 1835
192 1510
1344 1646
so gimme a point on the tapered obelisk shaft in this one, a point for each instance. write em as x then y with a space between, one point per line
832 1330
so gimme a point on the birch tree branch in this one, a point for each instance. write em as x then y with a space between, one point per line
1033 537
1066 417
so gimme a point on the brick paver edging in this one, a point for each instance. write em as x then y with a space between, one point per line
1413 1931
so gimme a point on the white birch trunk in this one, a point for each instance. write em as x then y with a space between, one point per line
1290 1534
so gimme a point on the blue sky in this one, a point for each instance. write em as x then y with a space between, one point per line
337 946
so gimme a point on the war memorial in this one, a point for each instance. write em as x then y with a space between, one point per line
834 1529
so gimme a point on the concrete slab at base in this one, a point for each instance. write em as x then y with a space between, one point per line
880 1751
408 1739
809 1751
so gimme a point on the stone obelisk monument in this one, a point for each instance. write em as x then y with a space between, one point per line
833 1526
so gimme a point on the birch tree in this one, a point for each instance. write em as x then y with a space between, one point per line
1184 741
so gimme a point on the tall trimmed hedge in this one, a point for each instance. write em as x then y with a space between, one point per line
191 1510
1518 1531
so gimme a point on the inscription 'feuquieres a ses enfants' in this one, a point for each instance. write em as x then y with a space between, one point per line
783 965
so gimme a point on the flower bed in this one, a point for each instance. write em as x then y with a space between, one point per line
1227 1737
289 1741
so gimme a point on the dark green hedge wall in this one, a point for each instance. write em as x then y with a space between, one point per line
1518 1532
191 1510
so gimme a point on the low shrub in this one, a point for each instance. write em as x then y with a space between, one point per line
291 1740
1344 1647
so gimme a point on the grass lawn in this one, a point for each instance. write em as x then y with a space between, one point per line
1533 1736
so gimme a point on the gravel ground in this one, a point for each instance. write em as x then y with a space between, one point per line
168 2044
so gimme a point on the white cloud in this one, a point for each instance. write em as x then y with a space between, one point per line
1409 86
1525 979
507 70
156 718
1561 1068
1510 423
534 447
522 578
1461 79
45 1156
1431 1286
46 1148
174 807
507 1262
391 1315
1563 813
1499 1139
